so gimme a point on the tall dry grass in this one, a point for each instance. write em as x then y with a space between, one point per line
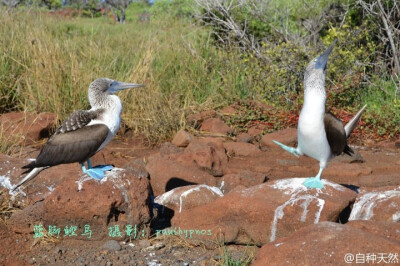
47 64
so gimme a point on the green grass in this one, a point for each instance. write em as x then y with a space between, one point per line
47 64
227 259
383 116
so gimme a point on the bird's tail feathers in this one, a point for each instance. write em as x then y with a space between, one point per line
349 127
34 172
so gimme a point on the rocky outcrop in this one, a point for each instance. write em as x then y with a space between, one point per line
266 212
328 243
215 125
119 200
381 204
185 198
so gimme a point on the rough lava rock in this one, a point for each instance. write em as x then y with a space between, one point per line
266 212
27 127
187 197
388 229
209 154
381 204
241 149
119 199
182 138
215 125
286 136
198 118
243 178
328 243
166 174
38 188
379 180
229 110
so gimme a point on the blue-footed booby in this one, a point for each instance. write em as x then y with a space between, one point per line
320 134
84 132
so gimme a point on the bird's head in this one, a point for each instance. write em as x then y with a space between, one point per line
109 86
315 70
101 88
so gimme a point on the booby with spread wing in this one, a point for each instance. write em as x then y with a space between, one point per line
320 134
84 132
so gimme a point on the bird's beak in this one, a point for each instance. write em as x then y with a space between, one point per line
116 86
322 60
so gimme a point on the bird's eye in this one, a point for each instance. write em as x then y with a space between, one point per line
113 83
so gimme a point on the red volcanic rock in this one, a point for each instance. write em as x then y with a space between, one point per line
166 173
244 178
256 130
185 198
263 213
388 229
244 137
287 136
379 180
215 125
229 110
27 128
197 119
377 205
241 149
182 138
202 159
208 154
12 246
168 149
119 200
346 170
329 243
38 188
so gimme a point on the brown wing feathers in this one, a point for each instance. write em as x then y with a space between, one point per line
73 141
336 135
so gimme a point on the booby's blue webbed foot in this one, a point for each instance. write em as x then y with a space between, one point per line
287 148
313 182
96 172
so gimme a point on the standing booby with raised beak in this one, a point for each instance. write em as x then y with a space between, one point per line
84 132
320 134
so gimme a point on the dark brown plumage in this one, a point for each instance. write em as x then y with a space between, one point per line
336 135
86 140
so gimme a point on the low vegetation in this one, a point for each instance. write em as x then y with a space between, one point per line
189 63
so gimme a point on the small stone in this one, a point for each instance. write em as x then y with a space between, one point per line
229 110
244 137
215 125
158 245
144 243
196 119
240 149
112 245
182 138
